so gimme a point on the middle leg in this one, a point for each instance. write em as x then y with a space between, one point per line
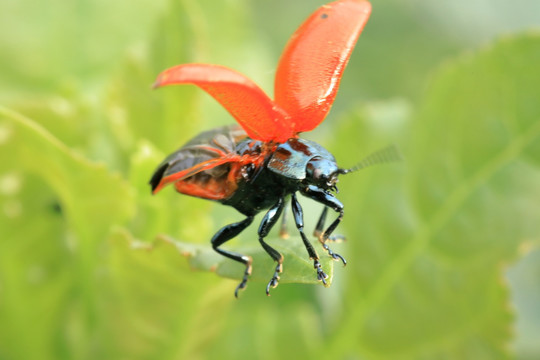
267 223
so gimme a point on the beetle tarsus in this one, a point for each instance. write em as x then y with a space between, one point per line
337 238
334 255
274 281
321 275
242 285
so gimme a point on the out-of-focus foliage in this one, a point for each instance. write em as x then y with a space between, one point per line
87 265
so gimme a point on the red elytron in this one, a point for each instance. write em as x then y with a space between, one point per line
261 163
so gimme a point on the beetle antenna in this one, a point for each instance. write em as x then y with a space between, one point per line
382 156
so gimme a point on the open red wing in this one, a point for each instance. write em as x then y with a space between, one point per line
206 165
313 61
244 100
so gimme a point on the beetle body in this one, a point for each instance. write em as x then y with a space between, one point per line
260 164
273 171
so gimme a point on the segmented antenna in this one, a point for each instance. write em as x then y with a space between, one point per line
382 156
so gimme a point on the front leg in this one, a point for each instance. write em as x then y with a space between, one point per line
320 227
299 220
332 202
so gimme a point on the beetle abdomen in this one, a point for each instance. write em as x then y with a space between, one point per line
215 183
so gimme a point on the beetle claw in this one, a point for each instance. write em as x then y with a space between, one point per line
240 286
321 275
274 281
243 283
334 255
338 257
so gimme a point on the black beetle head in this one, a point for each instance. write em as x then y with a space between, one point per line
322 172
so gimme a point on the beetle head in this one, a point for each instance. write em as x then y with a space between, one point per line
322 172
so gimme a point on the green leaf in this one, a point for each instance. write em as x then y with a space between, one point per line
298 268
428 239
78 43
35 263
150 290
76 180
438 230
92 201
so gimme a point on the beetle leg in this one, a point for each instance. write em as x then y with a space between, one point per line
320 226
299 220
267 223
225 234
332 202
283 233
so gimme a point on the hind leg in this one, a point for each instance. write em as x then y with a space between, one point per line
225 234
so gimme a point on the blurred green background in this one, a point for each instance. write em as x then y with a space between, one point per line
442 247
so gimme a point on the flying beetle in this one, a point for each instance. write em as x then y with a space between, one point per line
257 165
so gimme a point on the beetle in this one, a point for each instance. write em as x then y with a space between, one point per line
261 162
